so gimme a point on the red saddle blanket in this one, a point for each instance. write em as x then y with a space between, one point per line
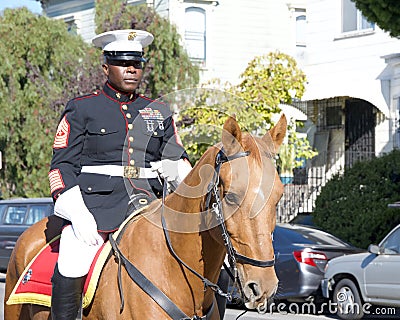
34 284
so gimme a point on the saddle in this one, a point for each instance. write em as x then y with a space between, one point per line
34 285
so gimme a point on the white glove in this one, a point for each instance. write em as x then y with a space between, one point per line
172 170
70 206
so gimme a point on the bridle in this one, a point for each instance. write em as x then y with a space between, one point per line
213 190
213 198
216 207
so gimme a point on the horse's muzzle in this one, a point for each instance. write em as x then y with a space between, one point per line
256 296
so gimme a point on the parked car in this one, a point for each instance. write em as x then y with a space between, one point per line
301 254
370 277
16 215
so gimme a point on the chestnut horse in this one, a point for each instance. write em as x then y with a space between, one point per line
226 204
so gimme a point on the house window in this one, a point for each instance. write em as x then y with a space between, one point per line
195 33
333 117
71 25
300 27
352 19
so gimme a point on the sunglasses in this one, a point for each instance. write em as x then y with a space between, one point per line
126 63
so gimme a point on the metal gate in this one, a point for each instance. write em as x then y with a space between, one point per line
359 131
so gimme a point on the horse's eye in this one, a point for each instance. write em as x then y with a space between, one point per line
231 198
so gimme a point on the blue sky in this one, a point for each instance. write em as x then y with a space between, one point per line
32 5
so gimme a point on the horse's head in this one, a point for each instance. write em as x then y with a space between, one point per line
251 189
246 191
232 192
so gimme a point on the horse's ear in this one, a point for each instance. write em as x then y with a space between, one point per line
231 136
278 132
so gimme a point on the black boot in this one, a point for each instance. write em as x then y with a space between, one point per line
223 284
66 296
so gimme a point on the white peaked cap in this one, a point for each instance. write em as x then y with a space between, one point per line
127 41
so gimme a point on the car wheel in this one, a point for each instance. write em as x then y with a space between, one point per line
347 300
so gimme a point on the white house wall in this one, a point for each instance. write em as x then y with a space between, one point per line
237 31
391 76
340 65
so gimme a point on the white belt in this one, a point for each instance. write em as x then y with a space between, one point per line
121 171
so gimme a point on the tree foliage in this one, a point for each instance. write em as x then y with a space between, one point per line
267 81
354 206
40 64
385 13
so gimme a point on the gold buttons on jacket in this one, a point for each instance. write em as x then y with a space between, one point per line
102 130
130 150
130 126
124 107
128 115
131 139
132 162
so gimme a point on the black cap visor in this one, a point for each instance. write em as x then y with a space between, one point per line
124 56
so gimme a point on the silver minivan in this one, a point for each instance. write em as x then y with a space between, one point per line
16 215
356 284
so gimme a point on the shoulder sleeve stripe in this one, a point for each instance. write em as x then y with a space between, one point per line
56 181
62 135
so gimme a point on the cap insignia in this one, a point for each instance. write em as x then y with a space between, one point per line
131 35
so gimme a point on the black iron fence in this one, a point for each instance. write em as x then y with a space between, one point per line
306 184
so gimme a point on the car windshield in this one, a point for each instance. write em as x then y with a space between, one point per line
36 213
301 235
391 244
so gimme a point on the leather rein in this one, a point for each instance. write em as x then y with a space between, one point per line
213 198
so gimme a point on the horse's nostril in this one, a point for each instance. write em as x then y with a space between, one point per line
253 289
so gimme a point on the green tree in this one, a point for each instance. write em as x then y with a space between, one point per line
267 81
385 13
354 206
42 67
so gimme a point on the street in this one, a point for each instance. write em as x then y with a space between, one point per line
232 314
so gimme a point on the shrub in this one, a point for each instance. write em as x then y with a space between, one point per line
354 206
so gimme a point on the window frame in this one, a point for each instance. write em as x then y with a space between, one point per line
360 19
202 35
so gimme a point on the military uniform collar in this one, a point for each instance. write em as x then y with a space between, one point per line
118 95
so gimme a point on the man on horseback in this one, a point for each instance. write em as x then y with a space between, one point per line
108 152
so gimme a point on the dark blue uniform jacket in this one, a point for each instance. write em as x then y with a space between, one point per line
111 128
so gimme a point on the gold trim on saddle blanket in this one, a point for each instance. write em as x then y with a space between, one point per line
45 300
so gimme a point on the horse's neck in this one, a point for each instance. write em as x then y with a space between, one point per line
208 240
